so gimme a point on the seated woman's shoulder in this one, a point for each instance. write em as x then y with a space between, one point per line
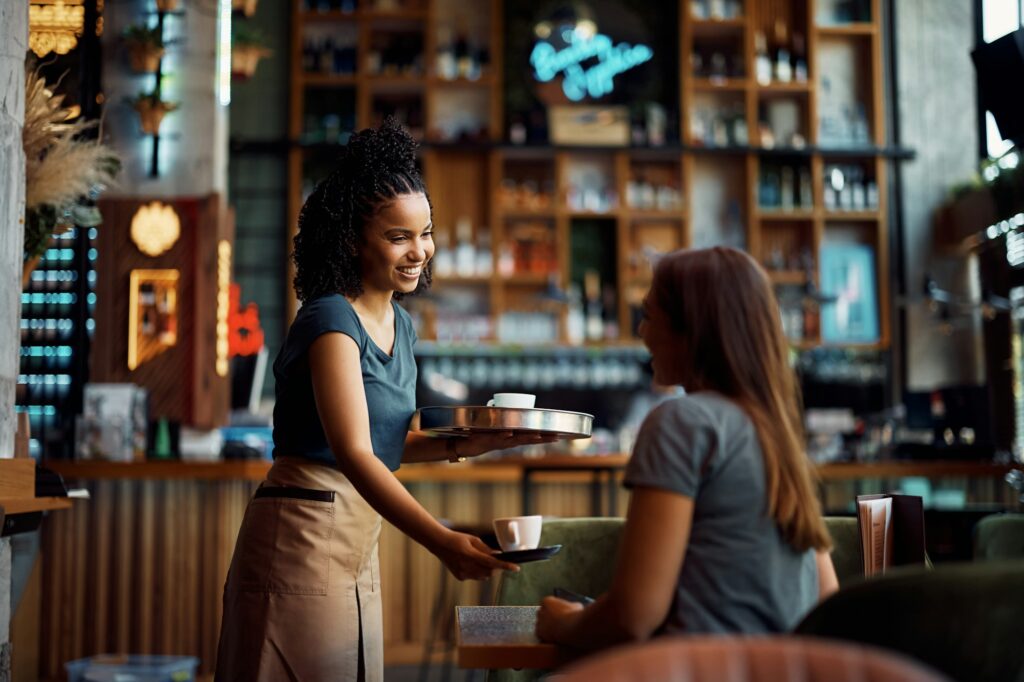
702 408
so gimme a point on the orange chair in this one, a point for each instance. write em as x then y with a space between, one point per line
748 659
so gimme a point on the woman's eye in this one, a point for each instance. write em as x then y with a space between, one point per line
428 235
397 240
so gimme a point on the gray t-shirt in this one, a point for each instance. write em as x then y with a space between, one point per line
738 575
389 382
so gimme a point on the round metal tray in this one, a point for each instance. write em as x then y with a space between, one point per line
454 420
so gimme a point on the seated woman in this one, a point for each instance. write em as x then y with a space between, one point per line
724 532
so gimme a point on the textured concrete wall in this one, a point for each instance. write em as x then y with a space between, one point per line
13 42
193 144
937 116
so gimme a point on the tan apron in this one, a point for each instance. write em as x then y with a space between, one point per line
302 596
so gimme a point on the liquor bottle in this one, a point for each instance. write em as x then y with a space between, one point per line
444 261
786 189
762 62
463 55
804 184
595 317
799 58
484 257
575 322
783 67
447 68
465 254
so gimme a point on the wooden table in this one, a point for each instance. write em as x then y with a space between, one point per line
495 637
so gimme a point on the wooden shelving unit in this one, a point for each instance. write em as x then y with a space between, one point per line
466 180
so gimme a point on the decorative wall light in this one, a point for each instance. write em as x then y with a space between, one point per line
155 228
55 26
223 306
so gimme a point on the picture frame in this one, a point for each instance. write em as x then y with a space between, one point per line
849 280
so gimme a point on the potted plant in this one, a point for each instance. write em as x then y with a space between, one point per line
248 47
64 171
152 110
145 48
166 5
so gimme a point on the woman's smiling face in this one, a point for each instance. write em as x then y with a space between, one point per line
398 244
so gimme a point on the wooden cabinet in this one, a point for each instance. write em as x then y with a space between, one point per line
783 161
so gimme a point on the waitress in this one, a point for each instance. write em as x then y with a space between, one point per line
302 598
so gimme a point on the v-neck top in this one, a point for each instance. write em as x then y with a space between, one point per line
389 382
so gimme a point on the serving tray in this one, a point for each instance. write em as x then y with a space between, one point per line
467 419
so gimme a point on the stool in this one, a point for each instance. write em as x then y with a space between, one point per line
443 614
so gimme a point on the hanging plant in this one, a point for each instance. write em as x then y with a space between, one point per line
64 171
145 48
151 111
248 47
246 7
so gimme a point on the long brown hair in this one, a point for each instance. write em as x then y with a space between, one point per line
720 304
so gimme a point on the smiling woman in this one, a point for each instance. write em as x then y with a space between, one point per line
302 598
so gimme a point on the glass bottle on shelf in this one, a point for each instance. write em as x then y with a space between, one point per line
484 257
575 322
738 126
804 183
762 62
595 316
465 254
799 58
447 67
463 54
786 188
444 260
783 67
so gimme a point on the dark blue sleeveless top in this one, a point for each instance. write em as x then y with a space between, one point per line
389 382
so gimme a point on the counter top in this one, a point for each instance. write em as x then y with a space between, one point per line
504 470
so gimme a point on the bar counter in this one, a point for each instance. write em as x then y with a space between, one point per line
140 567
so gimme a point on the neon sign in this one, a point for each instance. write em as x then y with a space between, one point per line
579 80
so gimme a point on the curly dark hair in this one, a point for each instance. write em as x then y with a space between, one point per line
377 165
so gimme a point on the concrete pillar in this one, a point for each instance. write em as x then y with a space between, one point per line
937 117
13 43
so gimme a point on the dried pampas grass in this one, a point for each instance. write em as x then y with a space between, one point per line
60 166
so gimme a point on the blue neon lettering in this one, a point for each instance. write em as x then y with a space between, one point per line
579 81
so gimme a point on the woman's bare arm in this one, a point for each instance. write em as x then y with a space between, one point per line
651 555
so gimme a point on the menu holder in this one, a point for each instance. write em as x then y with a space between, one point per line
891 531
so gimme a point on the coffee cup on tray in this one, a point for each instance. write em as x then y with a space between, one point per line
518 400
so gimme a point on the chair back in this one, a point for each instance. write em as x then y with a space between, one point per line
846 553
585 565
999 537
963 620
748 659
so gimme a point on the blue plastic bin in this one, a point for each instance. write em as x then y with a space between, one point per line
132 668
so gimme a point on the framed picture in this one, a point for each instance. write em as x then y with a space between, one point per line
848 277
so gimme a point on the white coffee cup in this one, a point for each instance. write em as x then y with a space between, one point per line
520 400
518 532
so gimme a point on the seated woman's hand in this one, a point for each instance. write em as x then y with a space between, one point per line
479 443
555 617
468 557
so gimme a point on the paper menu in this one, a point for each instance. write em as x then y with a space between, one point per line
876 534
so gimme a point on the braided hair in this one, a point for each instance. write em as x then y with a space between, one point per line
376 166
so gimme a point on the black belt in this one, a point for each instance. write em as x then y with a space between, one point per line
295 493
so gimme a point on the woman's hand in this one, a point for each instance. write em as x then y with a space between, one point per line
479 443
556 617
467 557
